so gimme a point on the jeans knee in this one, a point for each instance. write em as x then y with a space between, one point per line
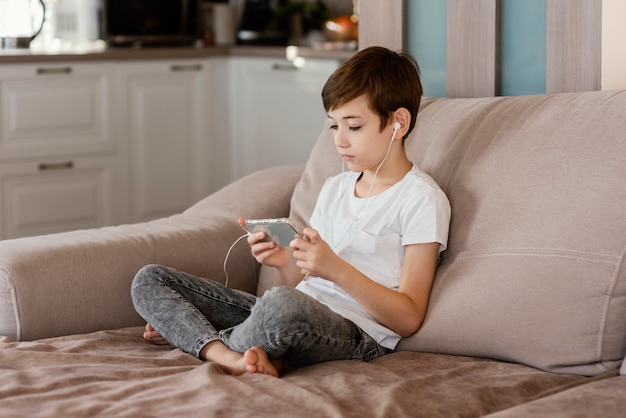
281 295
148 276
284 304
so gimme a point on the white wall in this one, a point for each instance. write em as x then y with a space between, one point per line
613 36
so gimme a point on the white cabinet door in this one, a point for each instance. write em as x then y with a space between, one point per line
276 113
56 195
56 109
61 163
164 111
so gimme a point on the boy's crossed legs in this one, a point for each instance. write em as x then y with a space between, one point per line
283 329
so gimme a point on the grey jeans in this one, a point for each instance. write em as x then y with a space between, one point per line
190 312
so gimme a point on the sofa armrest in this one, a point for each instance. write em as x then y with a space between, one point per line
79 281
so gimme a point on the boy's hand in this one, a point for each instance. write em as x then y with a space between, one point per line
266 252
315 256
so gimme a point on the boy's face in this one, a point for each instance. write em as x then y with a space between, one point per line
358 139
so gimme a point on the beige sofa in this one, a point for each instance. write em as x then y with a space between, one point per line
527 315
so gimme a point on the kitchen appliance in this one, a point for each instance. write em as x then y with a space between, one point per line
151 22
264 22
20 22
73 23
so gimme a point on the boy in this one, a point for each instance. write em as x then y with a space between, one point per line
361 278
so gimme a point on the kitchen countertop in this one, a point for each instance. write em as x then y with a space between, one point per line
24 56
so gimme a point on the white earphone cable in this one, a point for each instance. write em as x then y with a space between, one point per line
228 255
369 193
393 137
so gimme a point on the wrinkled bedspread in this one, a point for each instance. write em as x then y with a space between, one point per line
116 373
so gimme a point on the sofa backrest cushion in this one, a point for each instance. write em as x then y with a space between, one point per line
534 270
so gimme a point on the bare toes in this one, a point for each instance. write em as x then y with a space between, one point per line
257 362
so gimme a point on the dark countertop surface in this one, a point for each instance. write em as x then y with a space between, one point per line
25 56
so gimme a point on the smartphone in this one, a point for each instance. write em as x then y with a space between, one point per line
281 230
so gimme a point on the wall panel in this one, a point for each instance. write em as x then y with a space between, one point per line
613 36
382 23
426 40
473 48
522 47
573 45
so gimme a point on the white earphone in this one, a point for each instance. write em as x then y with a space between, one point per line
396 126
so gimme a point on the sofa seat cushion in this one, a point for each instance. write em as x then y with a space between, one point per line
534 268
601 398
116 373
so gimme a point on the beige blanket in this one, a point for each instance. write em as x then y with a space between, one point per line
117 374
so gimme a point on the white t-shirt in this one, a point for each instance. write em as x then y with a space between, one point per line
371 234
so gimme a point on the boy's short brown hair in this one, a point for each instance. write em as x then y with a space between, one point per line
390 80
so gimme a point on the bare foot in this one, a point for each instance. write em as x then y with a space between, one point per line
254 360
257 362
151 335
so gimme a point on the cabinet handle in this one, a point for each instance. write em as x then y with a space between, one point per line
66 165
284 67
191 67
46 71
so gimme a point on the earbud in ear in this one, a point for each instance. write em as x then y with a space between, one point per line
396 126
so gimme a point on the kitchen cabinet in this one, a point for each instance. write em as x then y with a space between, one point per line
163 110
276 112
89 144
59 195
60 157
55 109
